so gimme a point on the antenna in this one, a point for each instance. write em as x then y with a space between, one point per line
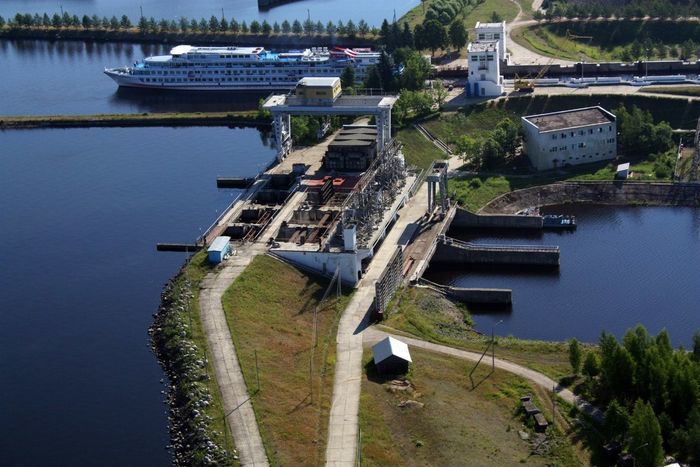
308 14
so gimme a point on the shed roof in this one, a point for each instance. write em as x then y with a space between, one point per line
219 243
390 347
317 81
573 118
483 46
625 166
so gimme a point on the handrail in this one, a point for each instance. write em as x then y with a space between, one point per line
491 247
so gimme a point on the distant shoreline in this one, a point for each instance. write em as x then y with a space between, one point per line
242 118
135 36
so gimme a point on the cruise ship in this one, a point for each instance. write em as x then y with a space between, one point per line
240 68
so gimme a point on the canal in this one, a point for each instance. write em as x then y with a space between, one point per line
371 11
621 267
81 213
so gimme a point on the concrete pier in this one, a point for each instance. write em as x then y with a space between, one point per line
464 219
481 296
453 251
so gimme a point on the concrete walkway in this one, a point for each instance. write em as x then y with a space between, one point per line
237 405
343 424
374 335
241 418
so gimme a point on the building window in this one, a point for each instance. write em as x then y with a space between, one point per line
554 136
482 37
489 58
582 145
572 134
497 36
563 136
475 58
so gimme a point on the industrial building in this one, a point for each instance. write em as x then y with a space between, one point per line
484 78
570 137
219 249
493 32
353 149
391 356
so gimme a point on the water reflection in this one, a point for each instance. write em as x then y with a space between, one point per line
147 100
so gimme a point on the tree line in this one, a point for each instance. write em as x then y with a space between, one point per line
651 391
184 25
635 8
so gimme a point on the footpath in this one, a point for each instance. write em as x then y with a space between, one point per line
240 417
343 424
374 335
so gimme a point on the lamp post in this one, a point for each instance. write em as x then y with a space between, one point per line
493 345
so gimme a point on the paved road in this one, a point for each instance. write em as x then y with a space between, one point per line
343 423
374 335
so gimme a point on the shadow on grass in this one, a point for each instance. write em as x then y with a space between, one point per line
375 376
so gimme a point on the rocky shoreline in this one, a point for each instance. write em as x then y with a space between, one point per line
193 441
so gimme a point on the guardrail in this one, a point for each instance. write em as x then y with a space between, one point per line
475 246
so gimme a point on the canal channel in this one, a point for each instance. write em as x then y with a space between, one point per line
622 266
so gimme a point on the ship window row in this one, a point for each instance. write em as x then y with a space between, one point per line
210 80
226 72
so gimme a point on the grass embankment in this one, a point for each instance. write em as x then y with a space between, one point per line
142 119
429 316
181 347
471 14
417 149
270 311
457 425
693 91
610 40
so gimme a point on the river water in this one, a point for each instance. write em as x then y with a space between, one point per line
49 78
374 12
621 267
81 213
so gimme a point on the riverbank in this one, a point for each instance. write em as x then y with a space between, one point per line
242 118
134 35
198 433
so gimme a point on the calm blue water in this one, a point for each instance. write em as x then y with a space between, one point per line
621 267
80 278
49 78
320 10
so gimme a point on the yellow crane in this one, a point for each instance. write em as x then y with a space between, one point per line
528 84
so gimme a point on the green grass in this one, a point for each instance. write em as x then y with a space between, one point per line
425 314
270 312
602 41
693 91
417 149
183 325
506 8
458 424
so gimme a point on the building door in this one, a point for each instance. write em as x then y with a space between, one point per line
476 89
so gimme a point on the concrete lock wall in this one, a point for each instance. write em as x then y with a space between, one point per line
484 296
464 219
614 193
454 254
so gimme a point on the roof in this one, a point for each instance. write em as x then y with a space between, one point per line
388 347
318 81
483 46
625 166
352 142
219 243
488 25
573 118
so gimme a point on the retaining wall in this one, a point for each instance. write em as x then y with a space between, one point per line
464 219
613 193
483 296
454 254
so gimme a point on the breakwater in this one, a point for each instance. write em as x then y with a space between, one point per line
613 193
166 37
243 119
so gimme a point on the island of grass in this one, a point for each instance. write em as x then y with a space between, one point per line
270 310
625 40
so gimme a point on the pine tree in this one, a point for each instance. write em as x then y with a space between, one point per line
575 356
645 443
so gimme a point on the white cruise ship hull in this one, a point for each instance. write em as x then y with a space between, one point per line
130 81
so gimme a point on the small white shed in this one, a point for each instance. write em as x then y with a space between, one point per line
391 356
218 249
623 171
